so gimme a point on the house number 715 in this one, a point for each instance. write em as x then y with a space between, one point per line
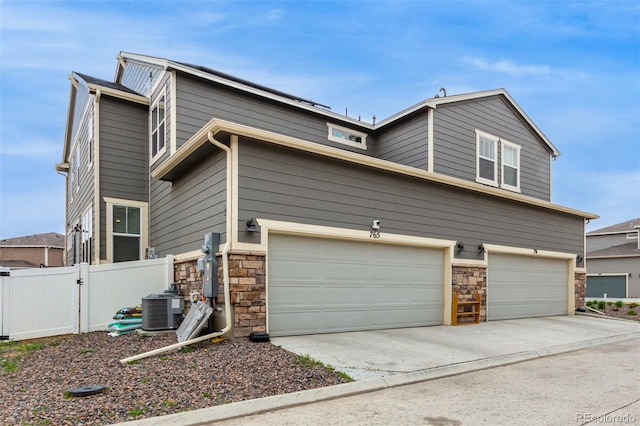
374 234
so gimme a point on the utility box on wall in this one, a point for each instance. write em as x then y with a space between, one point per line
209 265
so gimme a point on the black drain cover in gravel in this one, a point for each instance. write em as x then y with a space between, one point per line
259 337
86 390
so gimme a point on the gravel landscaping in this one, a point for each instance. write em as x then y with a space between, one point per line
626 311
36 377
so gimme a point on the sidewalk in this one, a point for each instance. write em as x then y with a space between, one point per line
389 358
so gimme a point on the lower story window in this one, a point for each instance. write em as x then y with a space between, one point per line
126 233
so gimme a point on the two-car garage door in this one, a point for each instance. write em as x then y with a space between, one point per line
322 285
526 286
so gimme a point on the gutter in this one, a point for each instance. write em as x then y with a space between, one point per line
225 268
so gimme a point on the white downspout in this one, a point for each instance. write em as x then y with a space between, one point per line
225 271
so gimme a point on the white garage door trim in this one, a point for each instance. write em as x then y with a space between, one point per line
542 254
280 227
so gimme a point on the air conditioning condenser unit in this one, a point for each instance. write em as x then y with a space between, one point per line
162 311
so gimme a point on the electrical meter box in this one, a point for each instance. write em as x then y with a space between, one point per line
209 265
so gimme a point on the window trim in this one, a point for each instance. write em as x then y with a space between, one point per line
495 140
331 127
161 96
504 143
144 220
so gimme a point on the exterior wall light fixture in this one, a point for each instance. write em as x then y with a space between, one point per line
251 225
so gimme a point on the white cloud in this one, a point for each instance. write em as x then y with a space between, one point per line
514 69
508 67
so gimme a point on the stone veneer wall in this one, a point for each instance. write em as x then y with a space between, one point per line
465 281
246 285
188 279
248 292
580 288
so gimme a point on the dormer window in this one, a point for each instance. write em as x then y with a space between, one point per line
486 159
346 136
510 166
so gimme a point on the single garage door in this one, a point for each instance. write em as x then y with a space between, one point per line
524 287
612 285
319 285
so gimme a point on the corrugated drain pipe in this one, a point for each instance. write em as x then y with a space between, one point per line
225 270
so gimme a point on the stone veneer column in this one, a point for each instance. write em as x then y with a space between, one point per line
246 285
580 288
465 281
247 291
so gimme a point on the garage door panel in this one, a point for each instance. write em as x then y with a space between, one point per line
615 286
301 269
524 287
353 285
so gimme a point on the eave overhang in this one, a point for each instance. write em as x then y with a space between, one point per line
199 142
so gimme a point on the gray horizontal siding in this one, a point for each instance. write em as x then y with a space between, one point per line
288 185
123 150
599 242
123 156
199 101
80 197
184 210
625 266
455 142
405 143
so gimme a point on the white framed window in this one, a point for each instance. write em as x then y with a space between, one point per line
86 239
346 136
486 158
126 229
77 167
90 141
158 128
510 166
632 236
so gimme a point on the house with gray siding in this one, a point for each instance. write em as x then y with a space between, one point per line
613 261
327 223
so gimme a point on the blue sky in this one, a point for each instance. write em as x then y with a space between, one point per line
574 67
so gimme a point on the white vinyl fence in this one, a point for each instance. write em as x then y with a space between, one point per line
75 299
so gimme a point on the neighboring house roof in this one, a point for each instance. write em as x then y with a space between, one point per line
240 84
623 250
18 264
618 228
49 239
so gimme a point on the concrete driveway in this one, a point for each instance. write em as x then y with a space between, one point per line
373 354
386 359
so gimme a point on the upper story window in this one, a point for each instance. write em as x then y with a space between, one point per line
347 136
90 140
510 166
158 128
486 159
